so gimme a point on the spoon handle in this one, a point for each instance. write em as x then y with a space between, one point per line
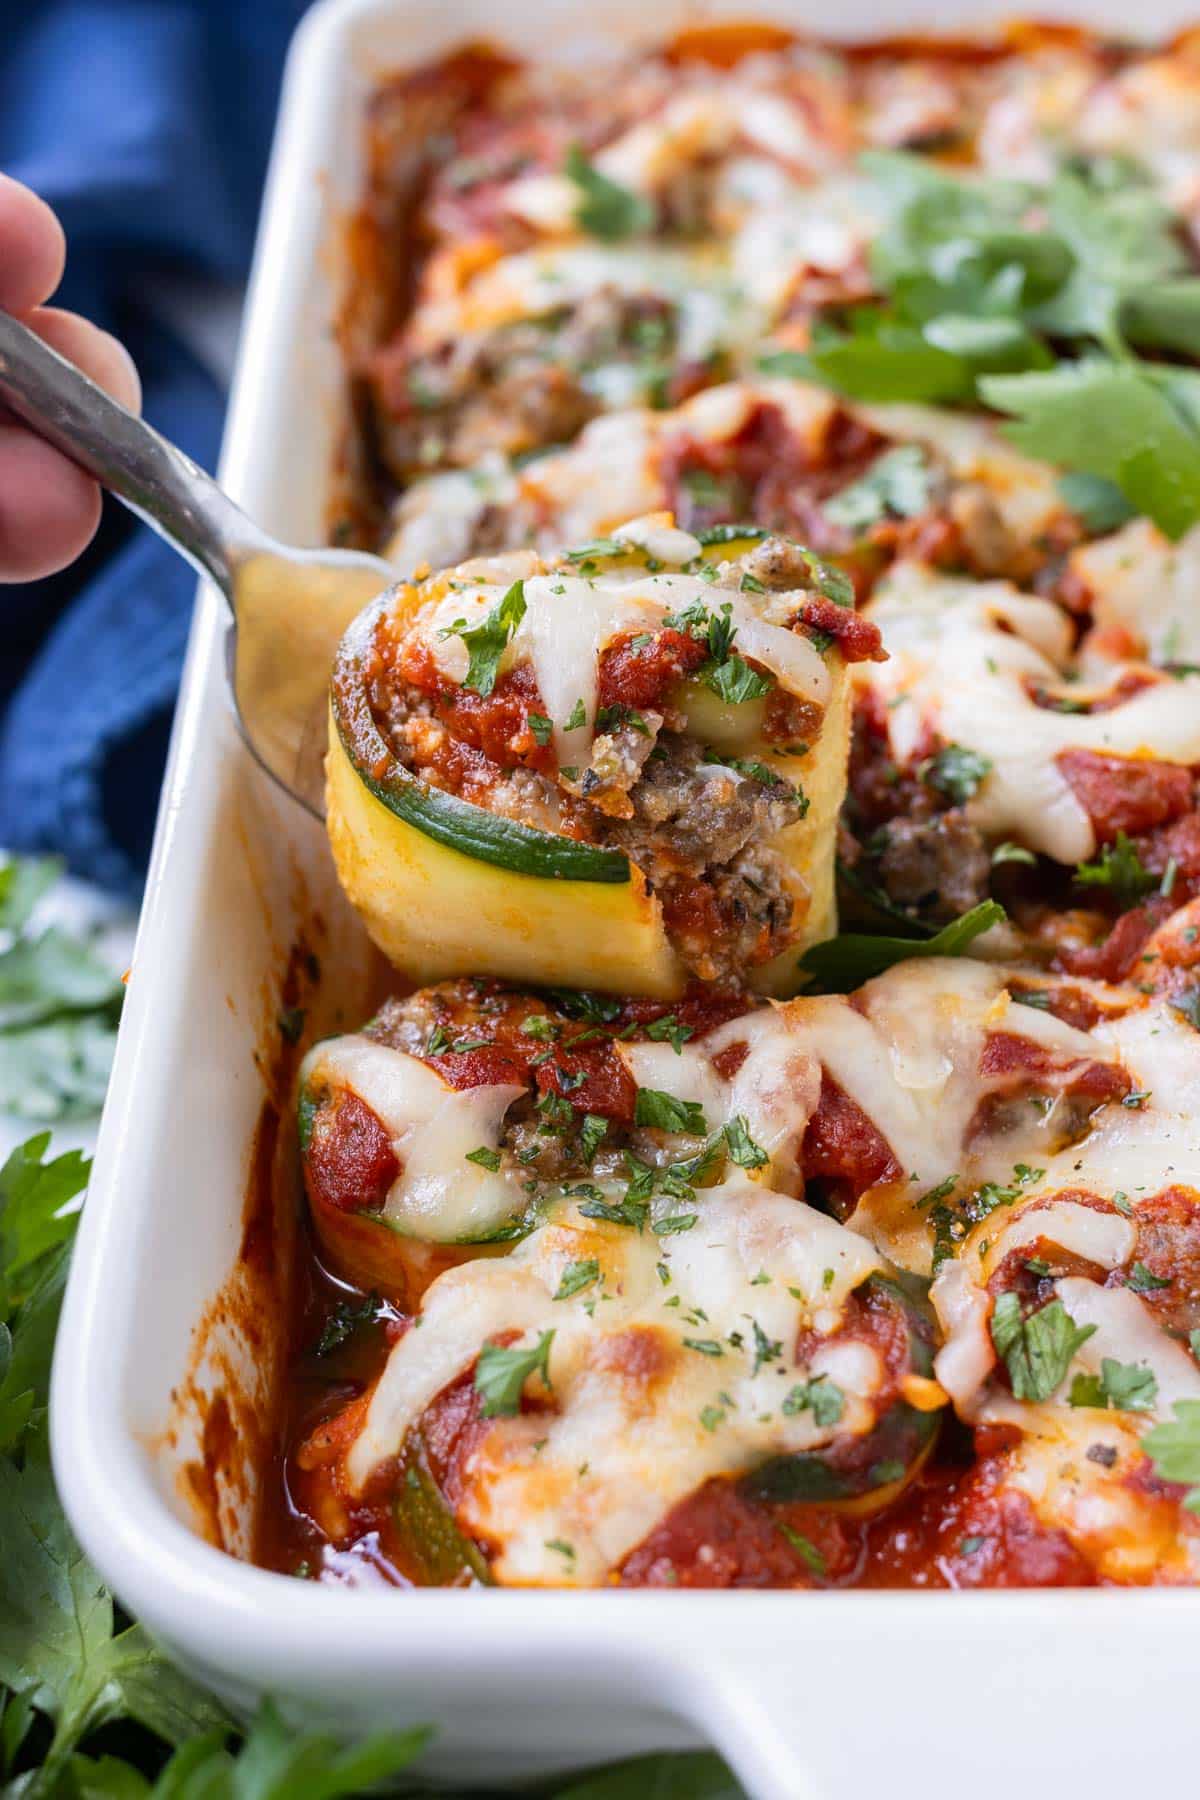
124 454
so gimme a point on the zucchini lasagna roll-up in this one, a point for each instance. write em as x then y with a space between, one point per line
618 767
633 1327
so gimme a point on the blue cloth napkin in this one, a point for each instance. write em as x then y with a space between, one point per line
146 125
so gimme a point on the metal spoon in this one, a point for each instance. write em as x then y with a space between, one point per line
287 608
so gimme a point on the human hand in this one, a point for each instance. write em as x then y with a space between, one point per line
49 509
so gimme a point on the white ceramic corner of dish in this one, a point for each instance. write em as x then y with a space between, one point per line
837 1695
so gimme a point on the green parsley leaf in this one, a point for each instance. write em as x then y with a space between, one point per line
766 1350
485 1157
578 717
631 1211
592 1133
705 1346
1120 421
1119 868
605 209
845 962
541 727
675 1222
488 640
1127 1387
577 1276
347 1317
805 1548
662 1112
1142 1280
1098 504
1173 1447
742 1147
711 1417
669 1030
821 1397
898 485
735 681
500 1375
1037 1350
956 772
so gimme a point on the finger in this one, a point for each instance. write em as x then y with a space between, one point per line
32 248
96 352
49 509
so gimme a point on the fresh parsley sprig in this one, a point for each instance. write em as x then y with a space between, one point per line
845 962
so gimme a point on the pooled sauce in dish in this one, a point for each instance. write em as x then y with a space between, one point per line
892 1280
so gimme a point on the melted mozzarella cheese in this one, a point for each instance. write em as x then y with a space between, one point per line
1145 587
709 307
638 1418
569 618
963 656
438 1195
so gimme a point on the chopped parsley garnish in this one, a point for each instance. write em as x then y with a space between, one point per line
486 1158
736 682
591 1135
1120 869
605 209
577 1276
347 1317
705 1346
711 1417
577 717
668 1030
1142 1280
662 1112
541 726
596 1009
1126 1387
956 772
612 718
766 1349
821 1397
674 1222
630 1211
488 640
952 1224
500 1375
898 485
1037 1350
742 1147
805 1548
1174 1448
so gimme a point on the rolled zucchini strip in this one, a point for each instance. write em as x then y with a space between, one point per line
619 768
623 1356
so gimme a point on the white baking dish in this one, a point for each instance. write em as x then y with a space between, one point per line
834 1694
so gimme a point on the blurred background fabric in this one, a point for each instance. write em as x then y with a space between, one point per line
146 124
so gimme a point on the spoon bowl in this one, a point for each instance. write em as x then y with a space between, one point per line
287 607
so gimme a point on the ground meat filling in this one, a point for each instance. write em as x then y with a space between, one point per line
527 384
700 828
904 843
